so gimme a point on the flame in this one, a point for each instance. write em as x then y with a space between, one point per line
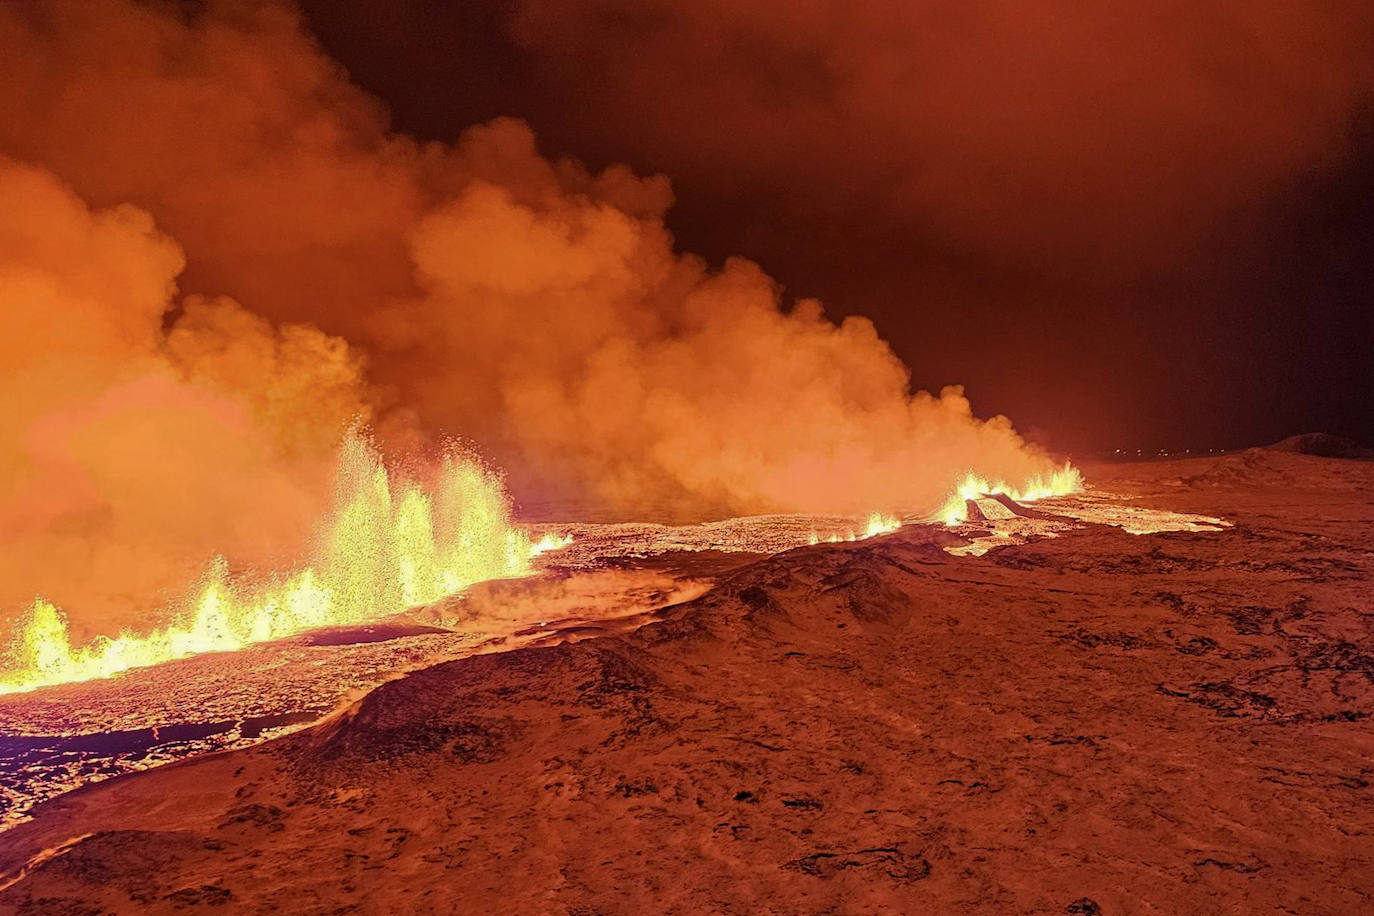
1061 482
877 524
880 524
386 545
549 543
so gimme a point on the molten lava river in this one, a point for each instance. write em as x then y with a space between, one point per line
406 574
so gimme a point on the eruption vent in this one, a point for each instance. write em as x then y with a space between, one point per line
387 545
1061 482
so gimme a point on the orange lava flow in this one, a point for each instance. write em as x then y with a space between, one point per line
385 546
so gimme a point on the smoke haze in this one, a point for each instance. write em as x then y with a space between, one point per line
216 256
137 444
1123 224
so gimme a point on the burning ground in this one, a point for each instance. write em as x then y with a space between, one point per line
1098 721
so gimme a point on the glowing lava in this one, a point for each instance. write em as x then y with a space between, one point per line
385 546
1062 482
877 524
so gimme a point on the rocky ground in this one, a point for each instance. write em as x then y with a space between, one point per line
1094 722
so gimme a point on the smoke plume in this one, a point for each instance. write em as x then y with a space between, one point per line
139 443
216 256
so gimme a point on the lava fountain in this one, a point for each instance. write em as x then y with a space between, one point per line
1061 482
387 544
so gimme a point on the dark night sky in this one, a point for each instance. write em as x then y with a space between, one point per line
1138 231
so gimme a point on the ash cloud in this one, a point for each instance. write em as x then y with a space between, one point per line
218 255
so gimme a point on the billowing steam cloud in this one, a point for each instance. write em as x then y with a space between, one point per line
533 306
135 446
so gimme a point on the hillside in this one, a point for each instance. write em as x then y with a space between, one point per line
1092 723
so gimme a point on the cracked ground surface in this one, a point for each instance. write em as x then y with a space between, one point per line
1093 723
